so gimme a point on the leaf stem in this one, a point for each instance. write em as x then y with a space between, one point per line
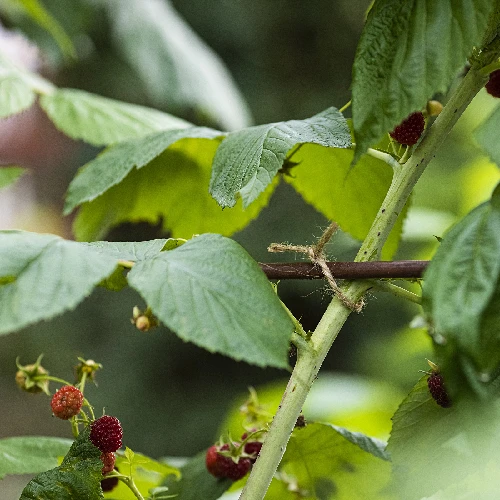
345 106
309 361
129 481
489 68
397 291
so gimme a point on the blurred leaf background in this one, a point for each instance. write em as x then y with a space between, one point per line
289 60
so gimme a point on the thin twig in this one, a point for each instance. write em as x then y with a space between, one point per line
404 269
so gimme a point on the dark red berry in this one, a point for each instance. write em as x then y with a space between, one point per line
410 130
67 402
108 460
493 85
221 466
438 391
253 448
109 483
106 433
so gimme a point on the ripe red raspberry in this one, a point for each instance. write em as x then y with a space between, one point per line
67 402
106 433
109 483
409 131
493 85
437 389
221 466
108 460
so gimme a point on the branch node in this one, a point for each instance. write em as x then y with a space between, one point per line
317 257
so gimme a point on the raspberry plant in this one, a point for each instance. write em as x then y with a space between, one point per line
209 291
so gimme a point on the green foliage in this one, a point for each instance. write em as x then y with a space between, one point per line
460 293
393 76
325 460
196 482
172 188
352 198
81 115
15 96
487 135
51 275
432 447
112 166
77 478
191 289
40 15
101 121
9 175
174 63
247 160
211 292
30 454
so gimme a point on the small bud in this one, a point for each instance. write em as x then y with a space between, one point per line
144 321
434 108
32 378
88 367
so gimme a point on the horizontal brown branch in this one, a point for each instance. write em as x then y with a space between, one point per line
346 270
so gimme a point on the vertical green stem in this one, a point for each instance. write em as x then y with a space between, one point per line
310 360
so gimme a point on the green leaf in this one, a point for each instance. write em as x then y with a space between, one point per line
212 293
39 14
487 135
247 160
112 166
326 460
30 454
131 250
77 478
51 275
433 447
461 281
172 189
196 482
101 121
408 52
15 96
177 68
9 175
350 197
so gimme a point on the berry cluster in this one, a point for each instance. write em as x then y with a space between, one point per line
67 402
233 461
222 466
106 434
409 131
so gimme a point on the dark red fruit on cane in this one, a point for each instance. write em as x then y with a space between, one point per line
110 483
106 433
221 466
67 402
410 130
437 389
108 460
493 85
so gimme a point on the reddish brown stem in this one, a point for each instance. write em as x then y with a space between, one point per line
409 269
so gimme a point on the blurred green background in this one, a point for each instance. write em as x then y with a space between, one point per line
289 60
